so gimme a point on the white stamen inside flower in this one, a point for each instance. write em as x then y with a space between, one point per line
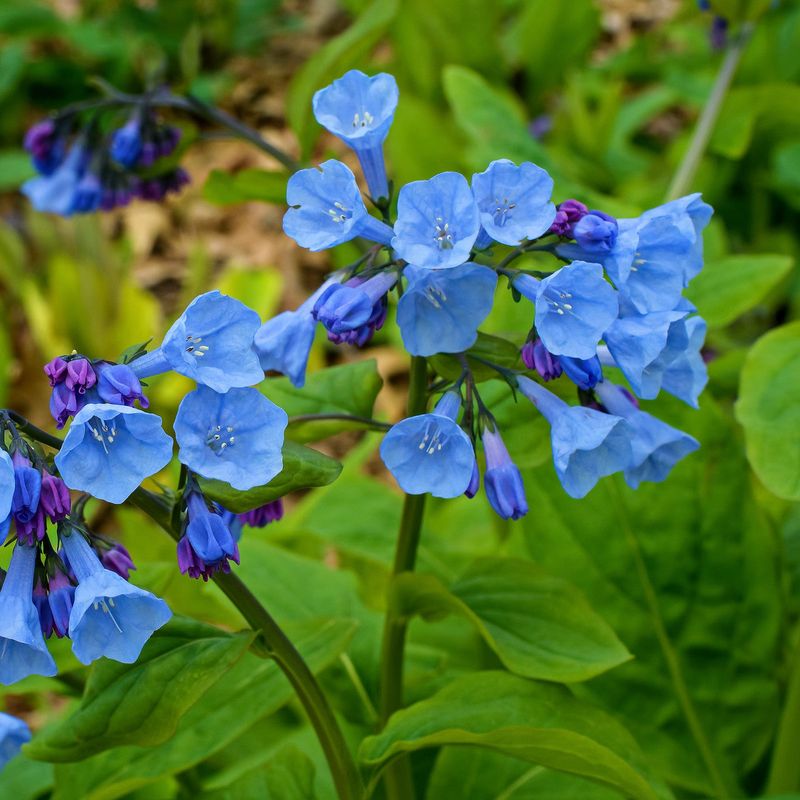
339 213
362 120
443 236
436 296
502 211
220 440
194 347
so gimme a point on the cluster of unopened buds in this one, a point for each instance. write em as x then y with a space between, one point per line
615 304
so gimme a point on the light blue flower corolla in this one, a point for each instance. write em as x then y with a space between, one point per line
234 437
22 648
6 483
284 342
326 209
440 310
55 193
514 202
359 109
111 449
587 444
430 452
209 533
656 447
13 734
110 617
437 222
574 306
211 343
502 480
344 307
687 375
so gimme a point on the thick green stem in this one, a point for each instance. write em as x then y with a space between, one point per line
705 125
272 638
397 777
784 771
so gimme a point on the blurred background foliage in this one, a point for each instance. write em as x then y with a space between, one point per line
698 576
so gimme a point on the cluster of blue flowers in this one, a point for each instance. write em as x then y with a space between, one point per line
616 303
83 168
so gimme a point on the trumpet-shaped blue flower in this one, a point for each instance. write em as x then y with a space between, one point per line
208 533
437 222
118 384
13 734
587 444
284 342
61 598
502 480
326 209
514 202
359 110
574 306
110 617
235 437
111 449
441 310
686 375
55 192
344 307
430 452
596 233
22 648
211 343
7 483
656 447
126 143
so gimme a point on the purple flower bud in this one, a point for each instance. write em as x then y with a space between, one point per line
80 375
502 481
262 516
45 145
718 34
117 559
561 225
573 209
56 370
118 384
54 498
540 126
43 608
192 565
536 356
65 403
32 531
596 233
474 482
62 596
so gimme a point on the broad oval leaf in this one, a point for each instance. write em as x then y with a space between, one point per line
539 625
142 703
303 468
537 722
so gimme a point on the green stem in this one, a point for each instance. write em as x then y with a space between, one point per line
367 422
705 125
278 646
721 790
397 777
784 771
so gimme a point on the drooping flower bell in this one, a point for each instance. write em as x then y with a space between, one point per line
440 310
27 488
430 452
359 110
55 192
211 343
119 384
234 437
46 145
110 617
596 233
344 307
126 142
502 480
207 531
60 598
13 734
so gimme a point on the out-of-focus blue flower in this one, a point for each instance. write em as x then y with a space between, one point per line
263 515
118 384
574 306
343 307
55 192
430 452
88 195
7 483
110 617
235 437
437 222
514 202
359 110
587 444
13 734
45 143
284 342
211 343
441 310
207 531
326 209
656 447
585 373
502 480
596 233
22 648
126 143
111 449
686 375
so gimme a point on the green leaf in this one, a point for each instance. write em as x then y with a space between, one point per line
536 722
336 57
728 287
769 412
254 689
24 779
303 468
539 626
15 167
490 348
225 189
142 703
347 389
